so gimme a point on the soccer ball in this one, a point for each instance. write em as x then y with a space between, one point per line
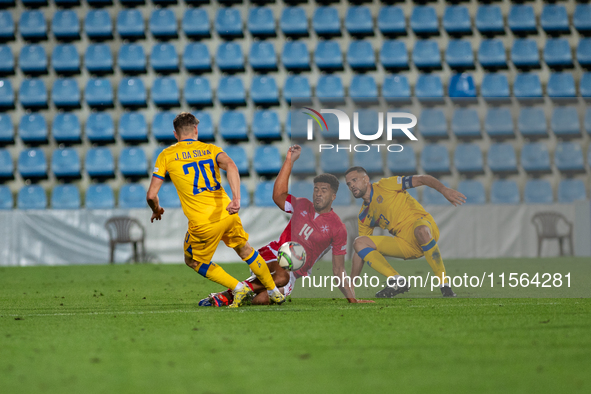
291 256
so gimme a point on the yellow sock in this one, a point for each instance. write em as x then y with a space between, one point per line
377 261
433 256
258 265
216 274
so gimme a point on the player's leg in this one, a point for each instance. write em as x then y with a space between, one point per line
367 249
280 277
263 297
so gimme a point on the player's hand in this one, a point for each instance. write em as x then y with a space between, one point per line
358 301
233 207
293 153
157 215
454 196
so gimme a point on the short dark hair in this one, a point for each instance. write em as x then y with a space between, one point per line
330 179
184 119
357 168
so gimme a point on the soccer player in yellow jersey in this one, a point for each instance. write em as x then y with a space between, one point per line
194 169
387 204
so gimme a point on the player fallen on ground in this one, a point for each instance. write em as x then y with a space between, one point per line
314 225
387 204
194 169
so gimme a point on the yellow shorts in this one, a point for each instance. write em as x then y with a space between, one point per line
202 241
404 245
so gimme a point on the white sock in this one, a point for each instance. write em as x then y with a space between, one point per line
271 292
238 287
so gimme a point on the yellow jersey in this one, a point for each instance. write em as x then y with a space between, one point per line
195 173
391 207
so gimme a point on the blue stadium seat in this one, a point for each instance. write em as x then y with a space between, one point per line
426 55
293 22
32 25
264 91
99 92
429 88
468 159
568 157
554 19
330 89
232 126
205 127
6 166
66 128
370 161
244 194
262 56
33 94
361 56
584 52
65 93
196 57
432 124
527 86
6 60
31 197
132 195
65 163
456 20
169 197
98 24
99 163
586 121
423 20
6 25
571 190
132 58
198 92
538 191
326 22
502 159
495 87
343 198
504 192
130 24
394 55
462 88
498 123
195 23
100 196
98 59
6 94
100 128
396 88
358 21
65 59
565 122
435 159
489 20
465 123
228 23
133 128
162 128
585 86
163 23
561 86
231 91
403 162
433 197
582 18
238 155
328 56
266 126
295 56
65 25
33 59
525 53
391 21
267 160
491 54
6 199
133 162
557 53
363 89
260 22
263 194
132 92
334 162
296 129
532 122
6 128
32 164
229 57
298 87
521 19
165 92
331 132
32 129
302 189
306 164
473 190
535 157
164 58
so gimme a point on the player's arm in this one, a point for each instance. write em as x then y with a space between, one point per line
453 196
338 270
280 188
227 164
152 198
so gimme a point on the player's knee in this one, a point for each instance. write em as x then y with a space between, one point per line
423 234
281 277
190 262
361 243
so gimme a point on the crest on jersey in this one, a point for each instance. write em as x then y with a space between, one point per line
304 213
324 228
380 199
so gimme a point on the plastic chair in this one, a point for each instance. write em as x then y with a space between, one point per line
125 230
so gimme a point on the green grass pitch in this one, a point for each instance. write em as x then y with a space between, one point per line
137 328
